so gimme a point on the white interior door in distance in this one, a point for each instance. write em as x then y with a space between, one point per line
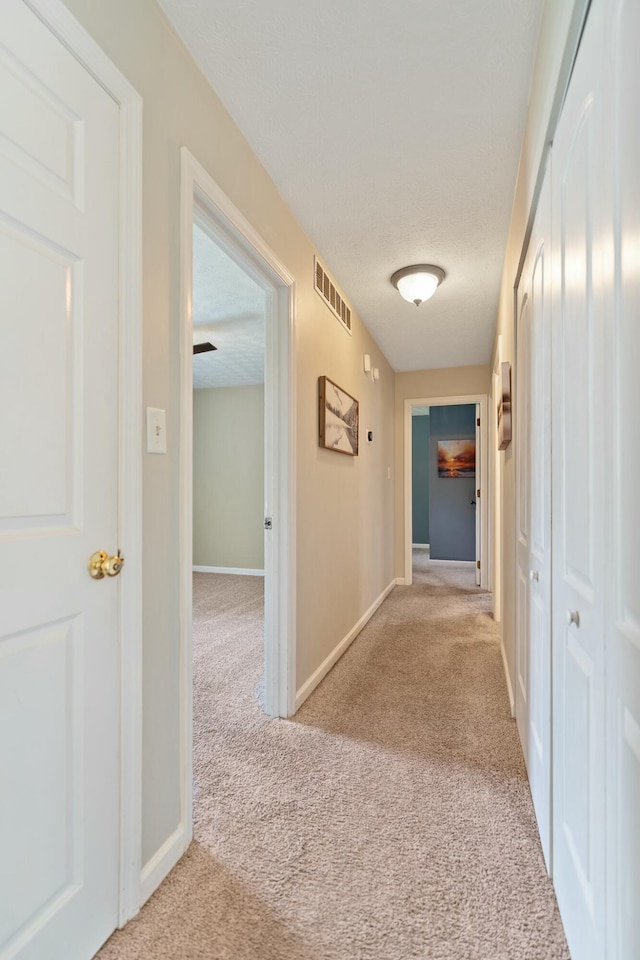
59 628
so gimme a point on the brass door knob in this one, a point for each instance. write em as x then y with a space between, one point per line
102 565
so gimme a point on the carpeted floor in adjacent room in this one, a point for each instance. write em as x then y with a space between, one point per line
389 820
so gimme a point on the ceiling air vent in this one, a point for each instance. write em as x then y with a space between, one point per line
326 288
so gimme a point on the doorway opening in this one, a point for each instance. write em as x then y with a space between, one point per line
444 512
229 316
445 473
237 460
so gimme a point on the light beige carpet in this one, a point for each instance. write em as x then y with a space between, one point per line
390 820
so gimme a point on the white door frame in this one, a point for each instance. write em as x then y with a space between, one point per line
56 16
201 196
408 478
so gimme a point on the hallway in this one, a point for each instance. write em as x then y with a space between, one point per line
391 819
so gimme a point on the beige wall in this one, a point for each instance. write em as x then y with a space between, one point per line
555 27
419 384
345 505
228 477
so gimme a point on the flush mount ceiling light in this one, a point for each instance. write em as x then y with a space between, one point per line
418 283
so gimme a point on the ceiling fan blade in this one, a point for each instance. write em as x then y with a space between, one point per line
203 347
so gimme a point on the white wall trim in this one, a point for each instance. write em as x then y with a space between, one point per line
512 699
480 399
309 686
420 546
235 571
202 198
400 582
161 863
56 16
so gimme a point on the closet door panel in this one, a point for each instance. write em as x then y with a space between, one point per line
533 547
623 615
539 614
578 492
522 439
577 357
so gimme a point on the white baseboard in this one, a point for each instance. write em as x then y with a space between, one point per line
237 571
420 546
400 582
309 685
512 700
458 563
162 862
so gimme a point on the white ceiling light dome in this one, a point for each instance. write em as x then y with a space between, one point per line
419 282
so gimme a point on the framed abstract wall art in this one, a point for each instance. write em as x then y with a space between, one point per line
338 418
504 406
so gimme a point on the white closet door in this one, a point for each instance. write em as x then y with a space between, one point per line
579 566
622 501
534 518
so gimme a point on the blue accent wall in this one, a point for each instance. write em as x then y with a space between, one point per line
420 471
452 518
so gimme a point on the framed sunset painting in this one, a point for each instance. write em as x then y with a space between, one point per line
456 458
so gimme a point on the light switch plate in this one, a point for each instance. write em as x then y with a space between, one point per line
156 430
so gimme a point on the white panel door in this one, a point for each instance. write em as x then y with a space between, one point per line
534 517
622 503
59 629
579 565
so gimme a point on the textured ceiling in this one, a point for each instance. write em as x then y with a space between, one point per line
228 311
393 131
